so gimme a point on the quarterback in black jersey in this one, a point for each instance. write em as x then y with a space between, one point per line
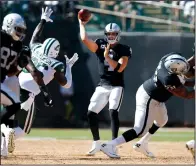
112 60
14 57
151 113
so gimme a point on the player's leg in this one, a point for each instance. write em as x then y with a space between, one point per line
115 100
11 103
144 118
161 119
25 121
27 83
13 84
97 102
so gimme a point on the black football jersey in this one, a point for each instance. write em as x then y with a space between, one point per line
10 50
157 85
107 74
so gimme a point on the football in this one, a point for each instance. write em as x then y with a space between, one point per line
84 15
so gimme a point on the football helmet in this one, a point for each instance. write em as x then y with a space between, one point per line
175 63
14 25
112 33
51 47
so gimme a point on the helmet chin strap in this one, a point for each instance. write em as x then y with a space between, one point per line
112 41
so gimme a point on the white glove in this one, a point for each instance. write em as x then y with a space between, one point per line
73 59
46 14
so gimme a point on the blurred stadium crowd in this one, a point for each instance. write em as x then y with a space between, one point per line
66 9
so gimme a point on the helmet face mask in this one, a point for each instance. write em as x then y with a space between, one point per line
112 33
51 47
14 25
176 64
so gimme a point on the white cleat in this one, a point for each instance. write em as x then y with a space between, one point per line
143 148
190 145
96 147
110 150
4 150
9 139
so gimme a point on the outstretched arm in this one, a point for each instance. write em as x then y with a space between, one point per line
65 79
91 45
45 17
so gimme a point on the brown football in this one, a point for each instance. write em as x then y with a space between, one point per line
84 15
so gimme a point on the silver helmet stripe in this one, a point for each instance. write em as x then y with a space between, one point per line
111 26
176 59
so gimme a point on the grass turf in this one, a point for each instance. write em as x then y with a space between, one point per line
105 134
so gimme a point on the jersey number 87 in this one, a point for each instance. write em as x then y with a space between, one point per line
7 57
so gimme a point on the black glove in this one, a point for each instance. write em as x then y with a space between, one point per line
47 97
24 55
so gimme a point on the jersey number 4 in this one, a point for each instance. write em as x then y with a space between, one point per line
107 66
7 57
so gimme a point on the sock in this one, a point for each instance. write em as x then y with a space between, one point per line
130 135
19 132
145 138
114 123
149 134
153 129
118 141
94 125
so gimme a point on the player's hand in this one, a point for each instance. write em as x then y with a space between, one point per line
48 102
46 14
23 57
83 22
107 49
71 61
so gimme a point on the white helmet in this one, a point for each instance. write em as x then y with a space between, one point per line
51 47
112 27
14 25
175 63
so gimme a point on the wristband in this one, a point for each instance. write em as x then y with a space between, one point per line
117 67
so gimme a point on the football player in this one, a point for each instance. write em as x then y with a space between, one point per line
151 113
44 57
14 57
112 60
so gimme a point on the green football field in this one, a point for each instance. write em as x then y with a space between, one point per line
172 134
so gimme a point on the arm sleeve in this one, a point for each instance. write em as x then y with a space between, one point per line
37 32
59 67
